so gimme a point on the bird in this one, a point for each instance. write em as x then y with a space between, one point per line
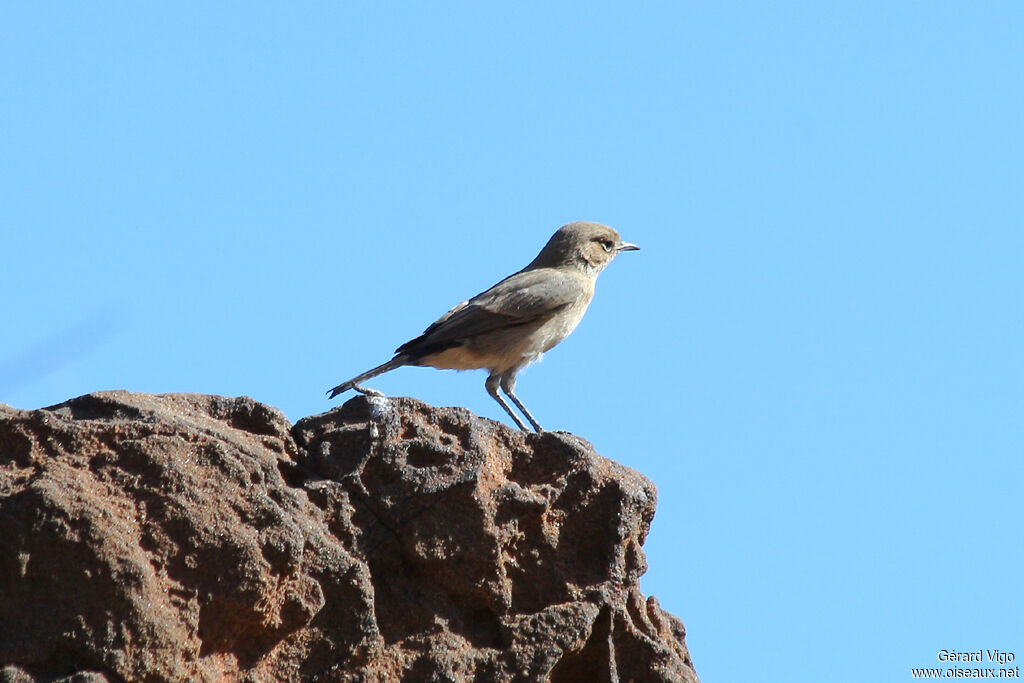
510 325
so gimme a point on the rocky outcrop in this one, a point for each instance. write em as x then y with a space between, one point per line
188 537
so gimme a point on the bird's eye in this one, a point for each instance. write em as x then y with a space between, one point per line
607 244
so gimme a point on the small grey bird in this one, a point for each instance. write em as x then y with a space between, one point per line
511 324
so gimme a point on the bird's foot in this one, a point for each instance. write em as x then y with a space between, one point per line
571 439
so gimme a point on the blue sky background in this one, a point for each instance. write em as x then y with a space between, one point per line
816 356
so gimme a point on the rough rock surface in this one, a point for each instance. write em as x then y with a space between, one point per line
200 538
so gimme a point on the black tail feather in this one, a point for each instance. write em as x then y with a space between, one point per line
395 362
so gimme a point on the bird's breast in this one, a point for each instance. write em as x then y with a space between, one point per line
515 346
559 327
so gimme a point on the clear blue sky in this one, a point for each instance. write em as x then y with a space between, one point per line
816 356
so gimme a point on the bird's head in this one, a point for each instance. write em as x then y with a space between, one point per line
590 246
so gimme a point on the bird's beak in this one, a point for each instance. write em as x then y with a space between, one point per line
626 246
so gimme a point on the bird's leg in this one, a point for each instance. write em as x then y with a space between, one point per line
508 383
492 389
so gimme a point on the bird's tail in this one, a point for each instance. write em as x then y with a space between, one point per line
395 362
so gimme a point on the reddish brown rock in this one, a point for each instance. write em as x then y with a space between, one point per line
188 537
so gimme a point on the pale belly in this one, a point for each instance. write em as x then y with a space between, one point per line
510 348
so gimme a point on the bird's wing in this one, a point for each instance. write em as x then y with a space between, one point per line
526 297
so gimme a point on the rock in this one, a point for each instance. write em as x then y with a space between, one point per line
186 537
